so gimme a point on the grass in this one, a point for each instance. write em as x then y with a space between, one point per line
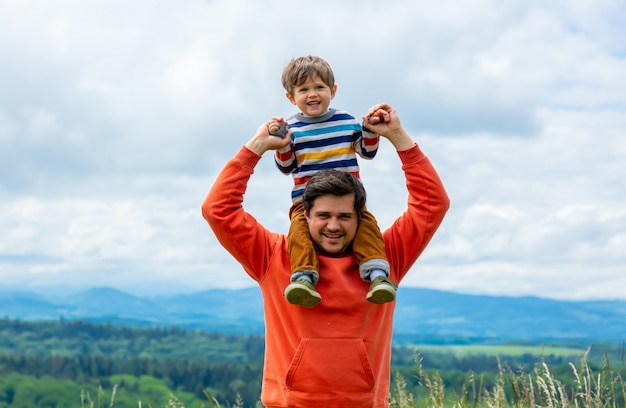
602 388
102 401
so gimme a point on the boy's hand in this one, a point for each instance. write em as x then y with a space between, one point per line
381 119
263 141
387 124
378 116
278 128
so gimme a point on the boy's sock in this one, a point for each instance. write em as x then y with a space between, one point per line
376 273
307 277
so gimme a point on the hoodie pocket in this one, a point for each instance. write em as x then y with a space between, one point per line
330 372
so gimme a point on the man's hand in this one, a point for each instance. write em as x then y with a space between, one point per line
263 141
382 119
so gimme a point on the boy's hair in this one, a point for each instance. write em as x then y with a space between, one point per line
337 183
302 68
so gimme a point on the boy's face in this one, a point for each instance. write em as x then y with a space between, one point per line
312 97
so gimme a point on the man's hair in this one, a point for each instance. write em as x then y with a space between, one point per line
337 183
300 69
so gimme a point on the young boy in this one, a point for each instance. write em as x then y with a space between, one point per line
324 138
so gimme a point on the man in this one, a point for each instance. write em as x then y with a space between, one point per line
337 354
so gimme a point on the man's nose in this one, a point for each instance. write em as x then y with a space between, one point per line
333 223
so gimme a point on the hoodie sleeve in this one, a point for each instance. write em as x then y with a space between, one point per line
427 205
238 231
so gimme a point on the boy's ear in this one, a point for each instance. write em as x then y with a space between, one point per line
291 98
333 90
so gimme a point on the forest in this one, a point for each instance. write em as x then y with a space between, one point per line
49 364
64 363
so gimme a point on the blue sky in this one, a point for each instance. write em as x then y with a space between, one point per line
115 118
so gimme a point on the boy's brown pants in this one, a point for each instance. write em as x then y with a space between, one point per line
368 243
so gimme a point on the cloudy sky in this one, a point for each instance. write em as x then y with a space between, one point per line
116 116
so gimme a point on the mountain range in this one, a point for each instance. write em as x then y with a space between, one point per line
422 315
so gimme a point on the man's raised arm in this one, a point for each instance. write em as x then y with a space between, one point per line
427 201
238 231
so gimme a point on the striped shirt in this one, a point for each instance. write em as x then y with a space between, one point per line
329 141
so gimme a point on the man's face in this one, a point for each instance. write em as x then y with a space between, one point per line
333 222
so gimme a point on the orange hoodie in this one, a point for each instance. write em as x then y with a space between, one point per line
338 353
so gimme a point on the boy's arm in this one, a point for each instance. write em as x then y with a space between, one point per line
285 159
366 145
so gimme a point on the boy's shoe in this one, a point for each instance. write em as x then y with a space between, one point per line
382 290
303 293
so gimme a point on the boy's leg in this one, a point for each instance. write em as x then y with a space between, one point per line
303 259
369 253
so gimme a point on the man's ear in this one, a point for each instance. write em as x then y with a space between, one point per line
291 98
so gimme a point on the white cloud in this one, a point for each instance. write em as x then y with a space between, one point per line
115 117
